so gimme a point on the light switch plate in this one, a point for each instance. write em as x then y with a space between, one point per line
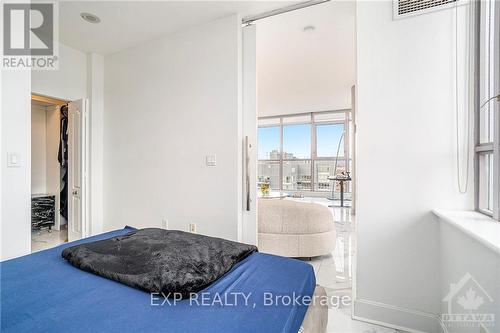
13 160
211 160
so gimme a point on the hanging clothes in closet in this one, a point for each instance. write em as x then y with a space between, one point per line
62 156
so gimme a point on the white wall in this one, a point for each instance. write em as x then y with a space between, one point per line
95 87
303 72
53 169
168 104
406 162
69 82
16 182
462 254
38 149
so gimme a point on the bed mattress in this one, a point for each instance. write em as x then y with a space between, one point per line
41 292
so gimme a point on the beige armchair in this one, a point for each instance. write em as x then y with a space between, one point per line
295 229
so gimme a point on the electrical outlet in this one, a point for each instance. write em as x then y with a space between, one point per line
192 228
164 223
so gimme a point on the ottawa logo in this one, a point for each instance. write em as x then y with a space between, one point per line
469 305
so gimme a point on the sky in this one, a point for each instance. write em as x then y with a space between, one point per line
297 140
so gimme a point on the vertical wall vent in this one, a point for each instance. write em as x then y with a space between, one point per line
406 8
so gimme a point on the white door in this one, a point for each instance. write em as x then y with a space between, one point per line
76 169
249 220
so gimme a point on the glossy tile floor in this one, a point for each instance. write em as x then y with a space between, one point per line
43 239
334 273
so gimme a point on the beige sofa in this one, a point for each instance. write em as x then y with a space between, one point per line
295 229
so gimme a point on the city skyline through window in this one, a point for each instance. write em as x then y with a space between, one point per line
297 141
300 155
269 141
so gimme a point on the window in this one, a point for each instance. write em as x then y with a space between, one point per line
300 152
328 168
269 172
329 140
297 141
269 143
487 109
297 175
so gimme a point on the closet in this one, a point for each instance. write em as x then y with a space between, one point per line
49 161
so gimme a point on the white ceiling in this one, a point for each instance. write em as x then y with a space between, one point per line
304 72
128 23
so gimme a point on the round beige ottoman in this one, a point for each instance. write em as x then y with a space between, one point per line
295 229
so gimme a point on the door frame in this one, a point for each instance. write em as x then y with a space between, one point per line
247 47
85 130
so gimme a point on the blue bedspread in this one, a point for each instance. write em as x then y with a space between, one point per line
43 293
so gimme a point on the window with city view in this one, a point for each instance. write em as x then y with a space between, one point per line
299 153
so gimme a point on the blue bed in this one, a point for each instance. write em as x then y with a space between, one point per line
43 293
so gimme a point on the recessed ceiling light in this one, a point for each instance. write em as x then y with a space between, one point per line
309 28
91 18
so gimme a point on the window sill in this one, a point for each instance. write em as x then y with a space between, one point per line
478 226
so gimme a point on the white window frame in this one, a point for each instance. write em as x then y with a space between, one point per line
346 158
492 147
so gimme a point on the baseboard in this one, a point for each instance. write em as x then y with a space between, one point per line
442 326
396 317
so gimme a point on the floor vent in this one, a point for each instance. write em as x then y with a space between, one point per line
406 8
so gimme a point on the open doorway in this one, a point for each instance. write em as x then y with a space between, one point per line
304 70
58 162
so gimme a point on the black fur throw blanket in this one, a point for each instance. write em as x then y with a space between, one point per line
158 260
